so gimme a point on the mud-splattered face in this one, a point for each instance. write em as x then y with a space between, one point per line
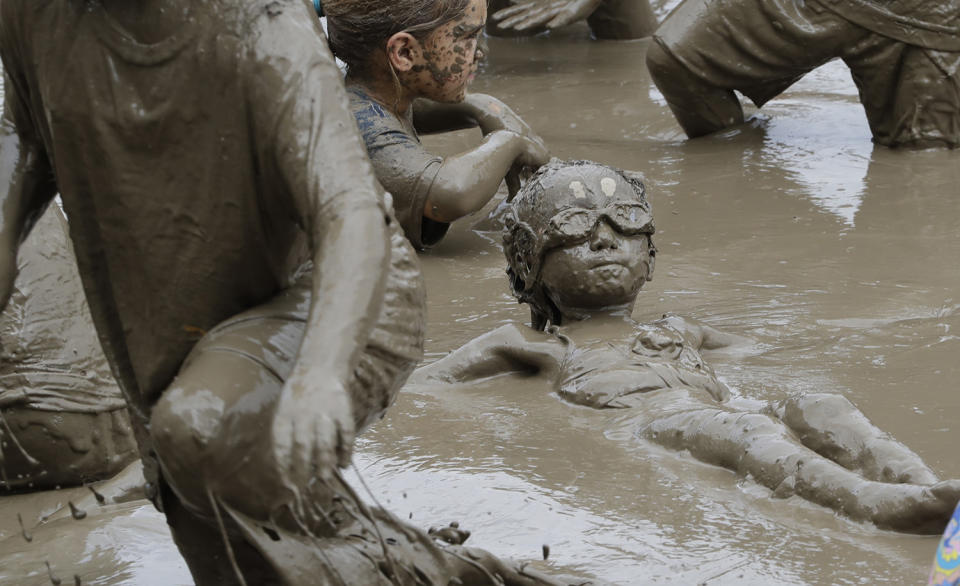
605 268
449 57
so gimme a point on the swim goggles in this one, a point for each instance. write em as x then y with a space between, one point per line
318 7
575 225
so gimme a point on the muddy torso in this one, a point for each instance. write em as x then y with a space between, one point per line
606 374
167 246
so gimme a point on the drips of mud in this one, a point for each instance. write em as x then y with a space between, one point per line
837 257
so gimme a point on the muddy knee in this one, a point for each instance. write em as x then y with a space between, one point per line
699 107
182 426
662 65
813 410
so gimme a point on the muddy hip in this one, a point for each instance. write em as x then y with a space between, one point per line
210 427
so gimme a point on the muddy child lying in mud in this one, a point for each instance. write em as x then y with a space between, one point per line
254 294
608 19
63 421
579 247
399 51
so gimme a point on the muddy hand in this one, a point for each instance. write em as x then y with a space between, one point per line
533 152
495 115
451 534
312 431
514 185
529 14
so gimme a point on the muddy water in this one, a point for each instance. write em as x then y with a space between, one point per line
839 258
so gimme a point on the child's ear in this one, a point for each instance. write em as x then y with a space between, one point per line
403 50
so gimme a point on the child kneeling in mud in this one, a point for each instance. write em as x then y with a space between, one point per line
399 51
578 240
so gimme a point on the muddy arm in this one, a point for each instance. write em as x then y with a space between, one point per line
509 348
608 19
701 335
467 181
27 182
431 117
315 157
476 110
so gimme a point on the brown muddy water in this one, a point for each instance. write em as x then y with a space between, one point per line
839 258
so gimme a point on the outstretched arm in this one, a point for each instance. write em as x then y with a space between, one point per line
27 182
531 14
475 111
701 335
608 19
509 348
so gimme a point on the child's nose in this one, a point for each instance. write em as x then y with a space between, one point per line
482 51
604 238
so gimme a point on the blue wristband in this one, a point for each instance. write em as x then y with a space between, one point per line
318 7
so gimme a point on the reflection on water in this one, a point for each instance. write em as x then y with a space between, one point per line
838 258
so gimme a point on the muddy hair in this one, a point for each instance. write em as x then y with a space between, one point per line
357 29
525 257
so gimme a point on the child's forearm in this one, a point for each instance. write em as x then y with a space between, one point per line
431 117
466 182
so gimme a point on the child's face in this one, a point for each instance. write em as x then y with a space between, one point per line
602 260
449 59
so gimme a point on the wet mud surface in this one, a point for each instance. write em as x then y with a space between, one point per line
837 257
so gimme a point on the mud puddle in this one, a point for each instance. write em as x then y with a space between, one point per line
838 258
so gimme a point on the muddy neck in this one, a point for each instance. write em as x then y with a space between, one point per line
590 321
147 21
384 90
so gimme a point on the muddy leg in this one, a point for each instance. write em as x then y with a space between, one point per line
755 444
623 19
832 426
700 108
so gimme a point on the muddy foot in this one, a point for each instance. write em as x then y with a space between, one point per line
913 509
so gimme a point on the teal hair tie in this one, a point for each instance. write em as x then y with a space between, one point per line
318 7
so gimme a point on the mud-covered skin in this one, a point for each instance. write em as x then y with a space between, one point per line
902 56
818 446
532 236
449 57
608 19
604 269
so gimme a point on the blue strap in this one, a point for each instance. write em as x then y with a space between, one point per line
318 7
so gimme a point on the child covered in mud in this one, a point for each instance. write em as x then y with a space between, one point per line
578 241
63 421
398 52
249 284
608 19
904 56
